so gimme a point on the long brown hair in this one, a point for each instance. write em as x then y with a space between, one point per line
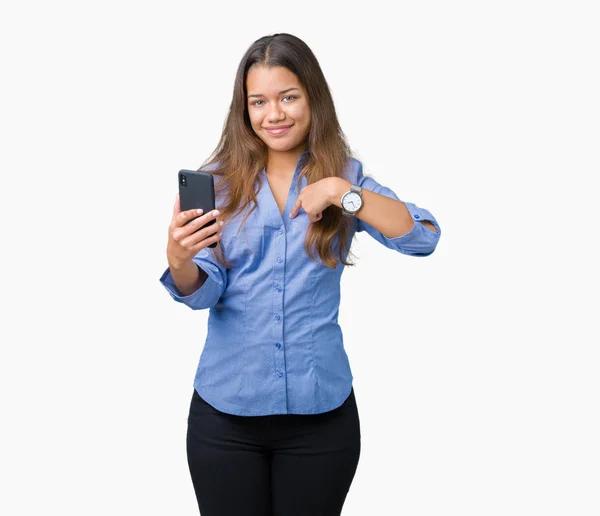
240 154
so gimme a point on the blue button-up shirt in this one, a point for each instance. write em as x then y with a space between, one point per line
274 345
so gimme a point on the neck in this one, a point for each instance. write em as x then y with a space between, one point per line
283 163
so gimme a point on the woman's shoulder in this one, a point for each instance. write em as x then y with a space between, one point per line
211 167
215 169
353 169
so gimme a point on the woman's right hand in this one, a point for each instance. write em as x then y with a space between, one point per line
183 243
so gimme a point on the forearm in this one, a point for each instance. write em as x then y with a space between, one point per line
188 277
387 215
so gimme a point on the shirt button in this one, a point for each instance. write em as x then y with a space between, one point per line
278 317
280 374
279 259
417 217
279 289
278 345
281 231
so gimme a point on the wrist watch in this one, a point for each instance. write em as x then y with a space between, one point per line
352 201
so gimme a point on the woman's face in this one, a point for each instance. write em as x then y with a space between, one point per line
276 98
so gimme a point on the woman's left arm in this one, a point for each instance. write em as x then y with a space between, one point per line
388 216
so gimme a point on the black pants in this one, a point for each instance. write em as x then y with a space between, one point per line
276 465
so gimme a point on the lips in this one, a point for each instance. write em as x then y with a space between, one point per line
275 131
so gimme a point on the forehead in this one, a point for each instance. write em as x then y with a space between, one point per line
263 80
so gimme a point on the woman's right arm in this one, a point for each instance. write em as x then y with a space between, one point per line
193 277
188 278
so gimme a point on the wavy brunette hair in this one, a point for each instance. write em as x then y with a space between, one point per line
240 154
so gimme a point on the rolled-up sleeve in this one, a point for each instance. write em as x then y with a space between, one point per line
211 290
419 241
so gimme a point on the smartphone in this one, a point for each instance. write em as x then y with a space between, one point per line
197 190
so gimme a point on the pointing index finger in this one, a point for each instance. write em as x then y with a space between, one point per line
295 209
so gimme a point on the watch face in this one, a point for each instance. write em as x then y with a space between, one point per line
352 201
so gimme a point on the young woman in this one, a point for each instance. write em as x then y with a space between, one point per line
273 427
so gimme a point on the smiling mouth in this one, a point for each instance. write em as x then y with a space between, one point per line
278 131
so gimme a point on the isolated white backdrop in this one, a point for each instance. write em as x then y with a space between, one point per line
475 369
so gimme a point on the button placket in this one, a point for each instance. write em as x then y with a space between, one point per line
278 282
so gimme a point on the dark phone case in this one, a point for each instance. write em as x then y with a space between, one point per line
198 192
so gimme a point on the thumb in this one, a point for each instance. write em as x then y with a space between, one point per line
176 207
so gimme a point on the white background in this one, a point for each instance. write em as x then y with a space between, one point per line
475 369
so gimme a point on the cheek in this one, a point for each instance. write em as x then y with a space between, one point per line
300 114
257 127
255 120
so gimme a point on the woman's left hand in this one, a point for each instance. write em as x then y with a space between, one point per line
314 198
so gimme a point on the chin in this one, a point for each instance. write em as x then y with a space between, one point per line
282 146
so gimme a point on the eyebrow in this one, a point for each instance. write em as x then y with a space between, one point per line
280 93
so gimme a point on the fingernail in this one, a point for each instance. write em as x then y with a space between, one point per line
216 212
199 211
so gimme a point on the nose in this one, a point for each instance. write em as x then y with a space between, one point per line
275 114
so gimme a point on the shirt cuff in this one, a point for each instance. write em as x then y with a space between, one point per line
204 297
420 240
